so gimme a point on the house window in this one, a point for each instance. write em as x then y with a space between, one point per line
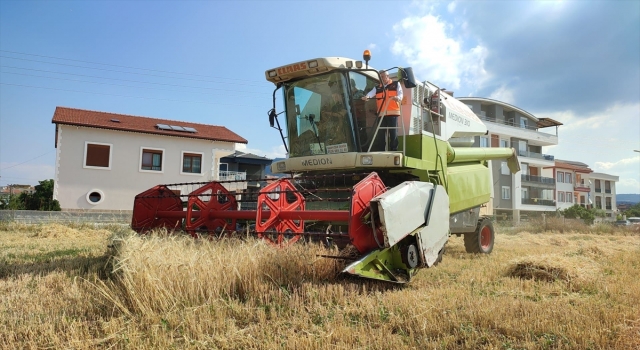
561 197
151 159
569 197
506 192
191 163
484 141
504 143
568 178
504 169
523 123
97 155
560 176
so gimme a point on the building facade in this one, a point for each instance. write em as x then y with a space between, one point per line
528 192
603 194
572 182
103 160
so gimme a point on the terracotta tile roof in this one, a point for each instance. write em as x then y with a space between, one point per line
123 122
567 165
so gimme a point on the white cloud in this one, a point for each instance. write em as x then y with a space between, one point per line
603 139
503 94
621 162
427 45
452 6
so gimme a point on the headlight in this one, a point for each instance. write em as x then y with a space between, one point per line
281 166
312 64
272 73
366 160
396 160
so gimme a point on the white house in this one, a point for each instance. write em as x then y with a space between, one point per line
104 159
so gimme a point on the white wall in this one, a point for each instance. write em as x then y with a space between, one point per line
124 180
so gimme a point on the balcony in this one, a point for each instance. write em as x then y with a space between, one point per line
598 190
232 176
581 188
535 155
508 123
607 191
538 179
528 132
537 201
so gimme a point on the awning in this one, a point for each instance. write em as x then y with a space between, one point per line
546 122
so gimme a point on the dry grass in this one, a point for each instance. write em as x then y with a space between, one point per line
62 287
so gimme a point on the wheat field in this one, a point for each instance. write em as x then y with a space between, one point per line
81 287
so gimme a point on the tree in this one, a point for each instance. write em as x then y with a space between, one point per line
579 212
41 199
633 211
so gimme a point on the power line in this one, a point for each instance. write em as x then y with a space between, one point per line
148 98
132 86
119 66
118 71
27 161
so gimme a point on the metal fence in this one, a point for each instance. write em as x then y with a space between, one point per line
45 217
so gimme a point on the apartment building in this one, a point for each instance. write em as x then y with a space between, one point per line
528 192
603 194
572 182
576 183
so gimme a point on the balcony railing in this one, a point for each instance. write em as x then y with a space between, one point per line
535 155
581 188
607 191
540 179
608 207
598 190
508 123
232 176
537 201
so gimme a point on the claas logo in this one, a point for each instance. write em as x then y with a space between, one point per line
292 68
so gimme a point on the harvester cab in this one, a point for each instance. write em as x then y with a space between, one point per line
394 210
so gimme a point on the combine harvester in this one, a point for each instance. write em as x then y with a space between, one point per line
343 185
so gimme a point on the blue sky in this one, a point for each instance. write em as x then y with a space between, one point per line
574 61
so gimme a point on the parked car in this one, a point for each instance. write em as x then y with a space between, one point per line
622 223
634 220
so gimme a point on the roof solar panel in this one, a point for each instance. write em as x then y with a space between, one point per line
163 127
176 128
190 129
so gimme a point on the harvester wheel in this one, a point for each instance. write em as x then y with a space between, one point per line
410 256
480 241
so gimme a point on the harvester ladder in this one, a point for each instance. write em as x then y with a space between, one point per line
398 128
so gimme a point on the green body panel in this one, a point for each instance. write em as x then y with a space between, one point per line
469 186
384 265
467 176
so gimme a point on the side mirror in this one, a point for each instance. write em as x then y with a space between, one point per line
407 78
272 117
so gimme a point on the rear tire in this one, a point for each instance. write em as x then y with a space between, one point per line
481 241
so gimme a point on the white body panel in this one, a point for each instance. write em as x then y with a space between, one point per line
402 209
432 238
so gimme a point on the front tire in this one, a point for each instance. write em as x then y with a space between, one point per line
481 241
